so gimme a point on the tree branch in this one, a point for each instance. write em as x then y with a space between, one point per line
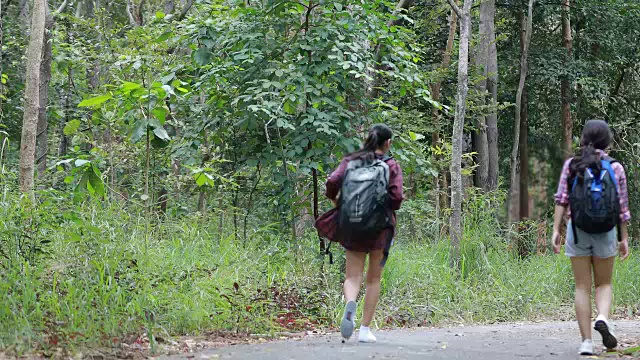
61 8
140 16
185 10
455 8
132 20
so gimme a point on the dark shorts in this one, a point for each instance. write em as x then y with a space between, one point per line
364 243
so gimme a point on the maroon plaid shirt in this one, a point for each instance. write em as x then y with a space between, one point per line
327 224
562 196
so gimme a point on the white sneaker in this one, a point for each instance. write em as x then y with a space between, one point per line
366 336
605 328
586 348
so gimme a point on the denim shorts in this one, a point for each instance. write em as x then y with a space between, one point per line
598 245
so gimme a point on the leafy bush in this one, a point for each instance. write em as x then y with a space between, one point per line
108 277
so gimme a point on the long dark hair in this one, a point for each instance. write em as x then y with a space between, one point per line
596 135
378 135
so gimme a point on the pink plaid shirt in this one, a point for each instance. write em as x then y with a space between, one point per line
562 196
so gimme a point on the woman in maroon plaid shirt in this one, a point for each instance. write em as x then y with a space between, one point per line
357 247
593 252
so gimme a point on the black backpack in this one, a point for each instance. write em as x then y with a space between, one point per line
363 197
595 206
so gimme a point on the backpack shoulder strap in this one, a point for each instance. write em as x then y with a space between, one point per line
610 159
572 180
606 165
607 161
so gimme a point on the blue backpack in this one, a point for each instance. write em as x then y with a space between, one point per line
595 205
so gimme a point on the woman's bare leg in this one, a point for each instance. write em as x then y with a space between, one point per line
354 275
582 273
602 274
374 275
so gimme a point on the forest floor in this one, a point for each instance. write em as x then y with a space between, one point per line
548 340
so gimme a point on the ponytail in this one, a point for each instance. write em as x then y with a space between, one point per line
378 135
595 136
588 158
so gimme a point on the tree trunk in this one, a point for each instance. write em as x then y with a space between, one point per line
202 201
412 196
185 9
249 206
24 14
524 156
455 229
206 156
565 84
491 73
442 185
481 148
3 10
32 96
135 13
147 166
169 6
221 219
63 147
163 200
480 140
524 67
85 9
42 146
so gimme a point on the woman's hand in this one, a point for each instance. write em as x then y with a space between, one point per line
335 201
623 249
557 221
556 241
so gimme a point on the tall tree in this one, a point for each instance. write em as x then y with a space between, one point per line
455 229
32 96
488 8
441 181
2 12
42 144
524 69
524 156
565 84
480 140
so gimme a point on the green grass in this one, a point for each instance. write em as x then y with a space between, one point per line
101 279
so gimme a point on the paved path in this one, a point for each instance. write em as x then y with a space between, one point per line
509 341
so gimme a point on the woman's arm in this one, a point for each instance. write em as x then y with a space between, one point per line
562 202
625 213
623 250
396 194
557 222
334 183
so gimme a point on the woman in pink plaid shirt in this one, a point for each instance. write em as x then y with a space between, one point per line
593 252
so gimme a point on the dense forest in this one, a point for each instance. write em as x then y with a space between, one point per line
162 162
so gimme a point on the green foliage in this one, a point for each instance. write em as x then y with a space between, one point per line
236 109
97 281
